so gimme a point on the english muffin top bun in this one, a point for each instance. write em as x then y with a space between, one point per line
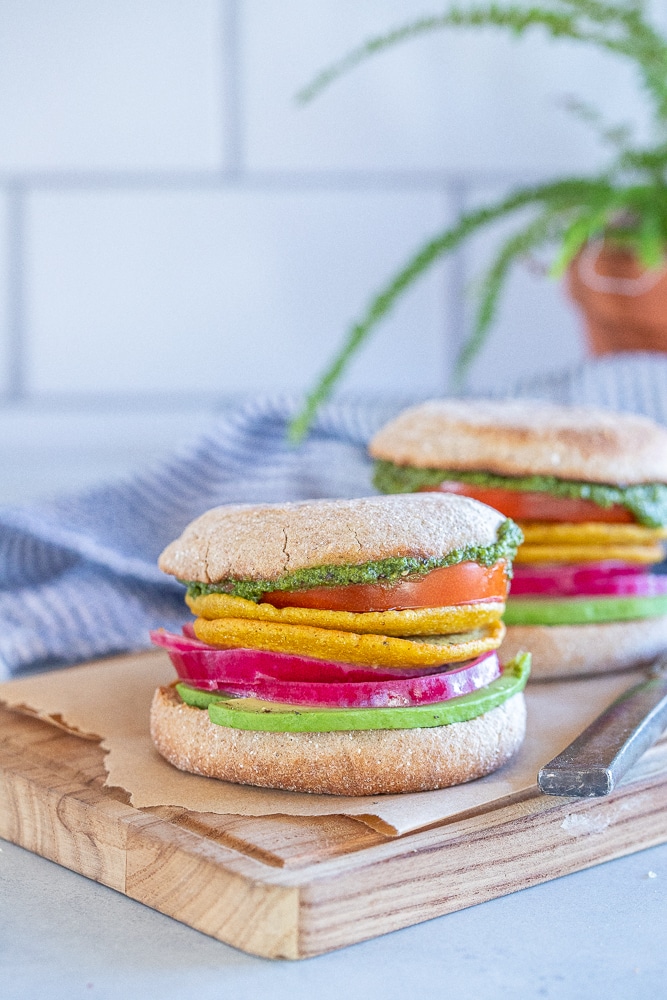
268 540
524 437
343 646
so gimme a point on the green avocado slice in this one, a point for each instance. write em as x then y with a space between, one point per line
581 610
265 716
197 698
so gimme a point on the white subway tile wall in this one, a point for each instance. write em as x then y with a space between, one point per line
532 306
464 101
181 291
111 85
8 349
173 223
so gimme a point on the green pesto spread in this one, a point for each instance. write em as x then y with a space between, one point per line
646 501
379 571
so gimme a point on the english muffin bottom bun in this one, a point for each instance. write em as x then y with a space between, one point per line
587 486
351 762
345 647
589 649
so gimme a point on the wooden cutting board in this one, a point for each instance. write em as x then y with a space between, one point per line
294 887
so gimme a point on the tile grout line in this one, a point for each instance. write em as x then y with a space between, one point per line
289 180
232 102
456 281
16 360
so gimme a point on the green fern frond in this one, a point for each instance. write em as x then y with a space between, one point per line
617 136
372 46
538 232
650 241
588 224
621 28
517 19
576 235
651 161
558 195
627 203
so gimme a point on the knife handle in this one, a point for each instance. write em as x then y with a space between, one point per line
596 760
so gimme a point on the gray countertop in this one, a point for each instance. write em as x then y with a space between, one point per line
599 933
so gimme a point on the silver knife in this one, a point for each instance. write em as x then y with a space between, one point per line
596 760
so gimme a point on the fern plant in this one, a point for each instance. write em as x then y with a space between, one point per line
626 204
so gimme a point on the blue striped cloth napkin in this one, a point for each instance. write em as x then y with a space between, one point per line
78 575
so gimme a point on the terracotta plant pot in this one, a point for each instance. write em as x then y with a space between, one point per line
624 305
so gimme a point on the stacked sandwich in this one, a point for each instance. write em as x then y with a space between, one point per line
346 647
588 489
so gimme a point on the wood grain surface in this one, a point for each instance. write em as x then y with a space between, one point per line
294 887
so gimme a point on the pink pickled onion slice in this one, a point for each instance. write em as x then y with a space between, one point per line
379 691
603 579
209 667
376 694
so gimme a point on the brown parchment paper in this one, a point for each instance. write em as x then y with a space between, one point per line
110 700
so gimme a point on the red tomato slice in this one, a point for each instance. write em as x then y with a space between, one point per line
536 506
465 583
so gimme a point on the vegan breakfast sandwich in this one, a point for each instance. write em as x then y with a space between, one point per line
588 489
343 646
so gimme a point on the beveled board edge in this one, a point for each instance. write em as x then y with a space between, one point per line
300 913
